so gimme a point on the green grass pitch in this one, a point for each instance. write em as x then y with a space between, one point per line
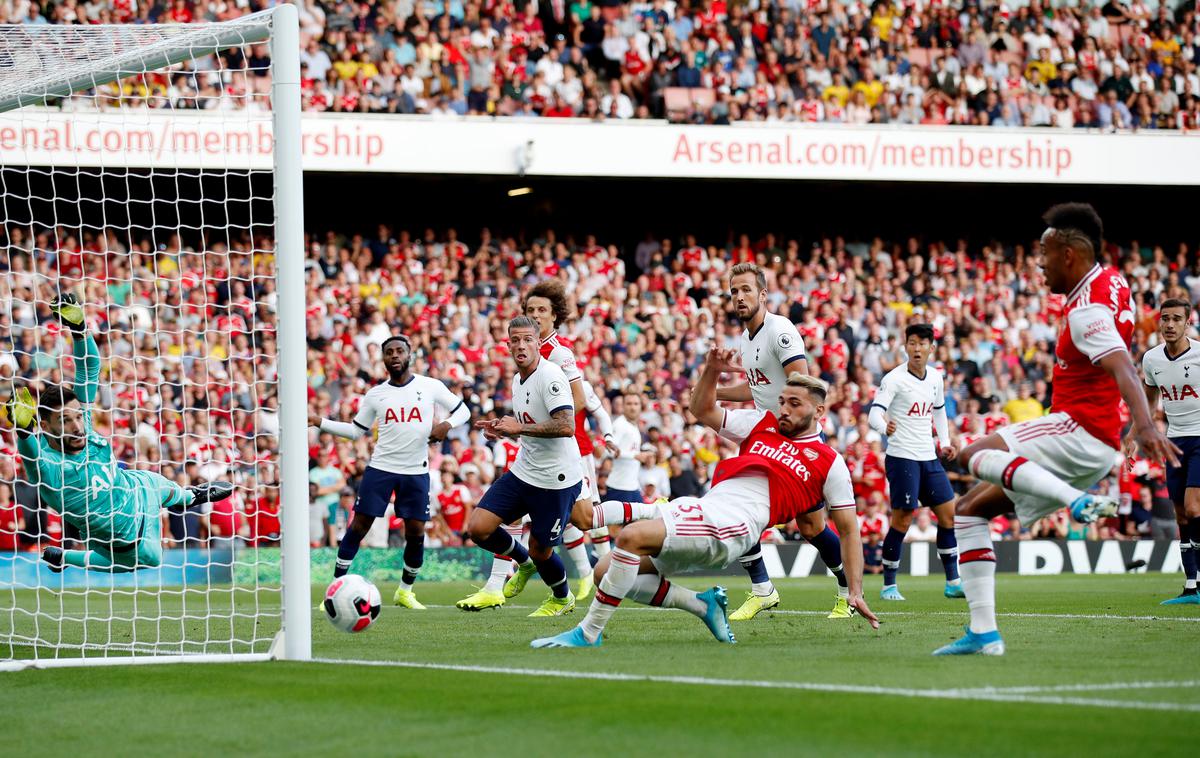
1094 666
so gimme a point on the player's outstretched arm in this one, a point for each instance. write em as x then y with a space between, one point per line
1153 443
703 404
738 393
70 314
846 522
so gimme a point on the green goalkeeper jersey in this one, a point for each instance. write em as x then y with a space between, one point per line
87 488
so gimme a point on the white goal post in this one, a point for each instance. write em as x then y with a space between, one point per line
190 272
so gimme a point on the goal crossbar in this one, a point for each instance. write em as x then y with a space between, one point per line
36 67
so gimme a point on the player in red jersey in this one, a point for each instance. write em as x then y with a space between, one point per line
782 470
1039 466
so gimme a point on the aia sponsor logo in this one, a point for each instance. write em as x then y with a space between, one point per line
1179 393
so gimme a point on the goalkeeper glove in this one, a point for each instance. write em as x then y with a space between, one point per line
69 311
21 409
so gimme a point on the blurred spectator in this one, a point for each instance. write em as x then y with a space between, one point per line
968 63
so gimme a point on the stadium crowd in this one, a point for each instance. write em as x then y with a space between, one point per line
1122 64
188 381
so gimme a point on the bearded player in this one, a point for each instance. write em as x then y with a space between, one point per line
771 348
1039 466
1167 370
403 408
117 511
782 470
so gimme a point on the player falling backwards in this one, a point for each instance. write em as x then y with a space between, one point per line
403 406
782 471
912 397
117 511
771 348
1167 370
1039 466
545 480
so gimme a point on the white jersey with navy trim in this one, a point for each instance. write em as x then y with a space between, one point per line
766 354
405 414
1178 387
548 462
910 401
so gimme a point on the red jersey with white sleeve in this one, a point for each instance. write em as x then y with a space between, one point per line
453 502
803 473
505 453
555 351
1099 322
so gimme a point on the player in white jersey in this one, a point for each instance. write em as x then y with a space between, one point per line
1172 372
541 483
908 406
771 349
548 305
623 481
403 407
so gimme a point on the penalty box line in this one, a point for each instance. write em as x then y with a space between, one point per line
986 695
885 614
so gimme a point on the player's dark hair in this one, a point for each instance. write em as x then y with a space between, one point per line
1176 302
920 331
760 277
1070 219
522 322
53 398
552 290
395 338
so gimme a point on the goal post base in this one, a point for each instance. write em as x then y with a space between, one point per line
133 660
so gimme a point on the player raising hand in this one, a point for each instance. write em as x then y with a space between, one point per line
117 511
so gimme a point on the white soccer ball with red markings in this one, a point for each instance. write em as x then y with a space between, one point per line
352 603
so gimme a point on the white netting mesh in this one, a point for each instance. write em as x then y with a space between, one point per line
175 268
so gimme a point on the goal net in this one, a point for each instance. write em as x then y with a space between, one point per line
151 173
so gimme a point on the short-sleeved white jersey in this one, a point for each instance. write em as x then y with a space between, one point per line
405 414
766 354
1177 385
548 462
910 401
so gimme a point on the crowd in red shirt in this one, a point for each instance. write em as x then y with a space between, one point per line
188 343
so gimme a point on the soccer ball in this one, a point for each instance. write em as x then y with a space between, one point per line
352 603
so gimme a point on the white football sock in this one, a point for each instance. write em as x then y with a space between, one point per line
1013 472
614 586
601 542
618 513
762 589
500 568
977 567
654 589
576 549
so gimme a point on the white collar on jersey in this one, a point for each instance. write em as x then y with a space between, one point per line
1087 279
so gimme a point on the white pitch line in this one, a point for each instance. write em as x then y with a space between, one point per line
885 614
1097 687
854 689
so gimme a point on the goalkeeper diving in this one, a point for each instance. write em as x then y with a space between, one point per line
117 511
